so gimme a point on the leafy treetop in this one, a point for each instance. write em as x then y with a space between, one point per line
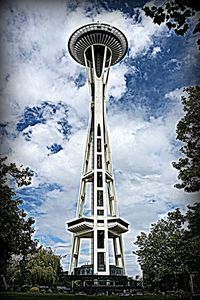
176 14
16 229
170 252
188 132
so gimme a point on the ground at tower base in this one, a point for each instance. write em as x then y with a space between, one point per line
28 296
93 288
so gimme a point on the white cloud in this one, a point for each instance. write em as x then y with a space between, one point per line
175 94
63 168
155 51
56 207
140 35
36 58
117 82
142 158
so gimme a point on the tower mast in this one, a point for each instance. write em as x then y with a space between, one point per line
98 47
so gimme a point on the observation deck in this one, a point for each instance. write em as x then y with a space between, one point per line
97 34
85 225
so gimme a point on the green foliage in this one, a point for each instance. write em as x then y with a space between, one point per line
17 273
44 267
15 227
192 238
188 132
176 14
34 289
13 270
39 268
19 260
170 252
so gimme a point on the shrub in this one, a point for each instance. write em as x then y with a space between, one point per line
34 289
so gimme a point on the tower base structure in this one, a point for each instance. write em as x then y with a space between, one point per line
82 228
89 270
99 285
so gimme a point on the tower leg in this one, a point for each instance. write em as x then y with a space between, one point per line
115 251
72 255
122 253
76 254
106 253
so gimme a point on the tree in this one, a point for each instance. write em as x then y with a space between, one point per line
192 237
15 227
177 15
15 272
39 268
188 132
159 253
44 267
165 254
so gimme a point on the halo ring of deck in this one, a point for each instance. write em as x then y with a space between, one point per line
97 34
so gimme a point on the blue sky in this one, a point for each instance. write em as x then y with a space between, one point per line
44 112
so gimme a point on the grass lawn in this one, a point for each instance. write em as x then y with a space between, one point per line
29 296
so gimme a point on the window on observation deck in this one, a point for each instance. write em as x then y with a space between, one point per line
98 145
100 239
98 130
99 179
100 212
101 261
99 198
99 162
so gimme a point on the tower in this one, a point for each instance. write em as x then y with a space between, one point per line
97 47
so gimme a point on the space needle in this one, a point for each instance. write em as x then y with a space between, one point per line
97 47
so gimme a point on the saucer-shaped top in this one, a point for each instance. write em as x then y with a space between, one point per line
97 34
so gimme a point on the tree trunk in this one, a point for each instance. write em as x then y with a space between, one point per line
4 281
165 295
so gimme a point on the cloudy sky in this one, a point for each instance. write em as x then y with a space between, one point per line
44 112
